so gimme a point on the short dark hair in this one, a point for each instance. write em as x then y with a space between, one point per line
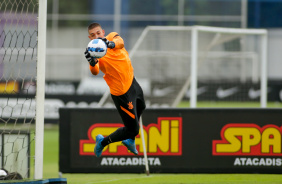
93 25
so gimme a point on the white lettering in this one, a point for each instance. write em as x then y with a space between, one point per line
104 161
261 162
121 161
110 160
150 161
237 161
135 161
243 160
129 161
268 161
116 161
253 161
157 161
278 162
249 162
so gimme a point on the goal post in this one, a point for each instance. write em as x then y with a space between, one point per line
22 81
40 90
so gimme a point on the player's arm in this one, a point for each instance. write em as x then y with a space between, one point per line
117 41
119 44
94 69
93 63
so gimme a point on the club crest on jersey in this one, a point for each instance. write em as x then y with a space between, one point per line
130 106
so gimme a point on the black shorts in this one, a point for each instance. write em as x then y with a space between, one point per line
131 105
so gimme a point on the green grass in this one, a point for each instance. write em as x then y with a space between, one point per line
174 178
50 168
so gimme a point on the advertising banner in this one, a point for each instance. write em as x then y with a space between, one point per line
88 92
177 141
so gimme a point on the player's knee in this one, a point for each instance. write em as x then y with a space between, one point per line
134 131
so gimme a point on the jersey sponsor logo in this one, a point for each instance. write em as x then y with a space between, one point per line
223 93
163 138
249 139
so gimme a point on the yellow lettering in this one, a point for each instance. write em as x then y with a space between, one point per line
163 137
250 137
174 136
159 139
274 141
88 148
233 145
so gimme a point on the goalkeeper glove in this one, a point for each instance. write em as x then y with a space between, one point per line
91 60
110 44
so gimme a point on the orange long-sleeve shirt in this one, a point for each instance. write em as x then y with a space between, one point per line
116 66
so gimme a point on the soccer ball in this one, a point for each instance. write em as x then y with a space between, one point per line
3 173
97 48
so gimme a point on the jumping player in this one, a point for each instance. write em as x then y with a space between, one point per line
125 90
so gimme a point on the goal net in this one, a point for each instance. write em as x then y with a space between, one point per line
204 65
20 109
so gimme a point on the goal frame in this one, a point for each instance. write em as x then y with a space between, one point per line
40 90
194 59
192 80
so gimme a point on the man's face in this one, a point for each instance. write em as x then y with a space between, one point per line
95 33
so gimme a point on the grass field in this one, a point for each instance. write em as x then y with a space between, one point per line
51 168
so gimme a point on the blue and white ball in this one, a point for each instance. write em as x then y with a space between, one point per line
97 48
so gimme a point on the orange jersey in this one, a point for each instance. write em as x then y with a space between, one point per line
116 66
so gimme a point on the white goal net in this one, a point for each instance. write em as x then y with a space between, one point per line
201 64
19 112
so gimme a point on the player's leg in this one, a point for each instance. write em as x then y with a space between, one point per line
126 107
140 101
129 131
140 107
130 107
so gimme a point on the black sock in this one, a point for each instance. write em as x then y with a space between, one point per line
106 141
119 135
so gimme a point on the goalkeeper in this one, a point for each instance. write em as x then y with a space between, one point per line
125 90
